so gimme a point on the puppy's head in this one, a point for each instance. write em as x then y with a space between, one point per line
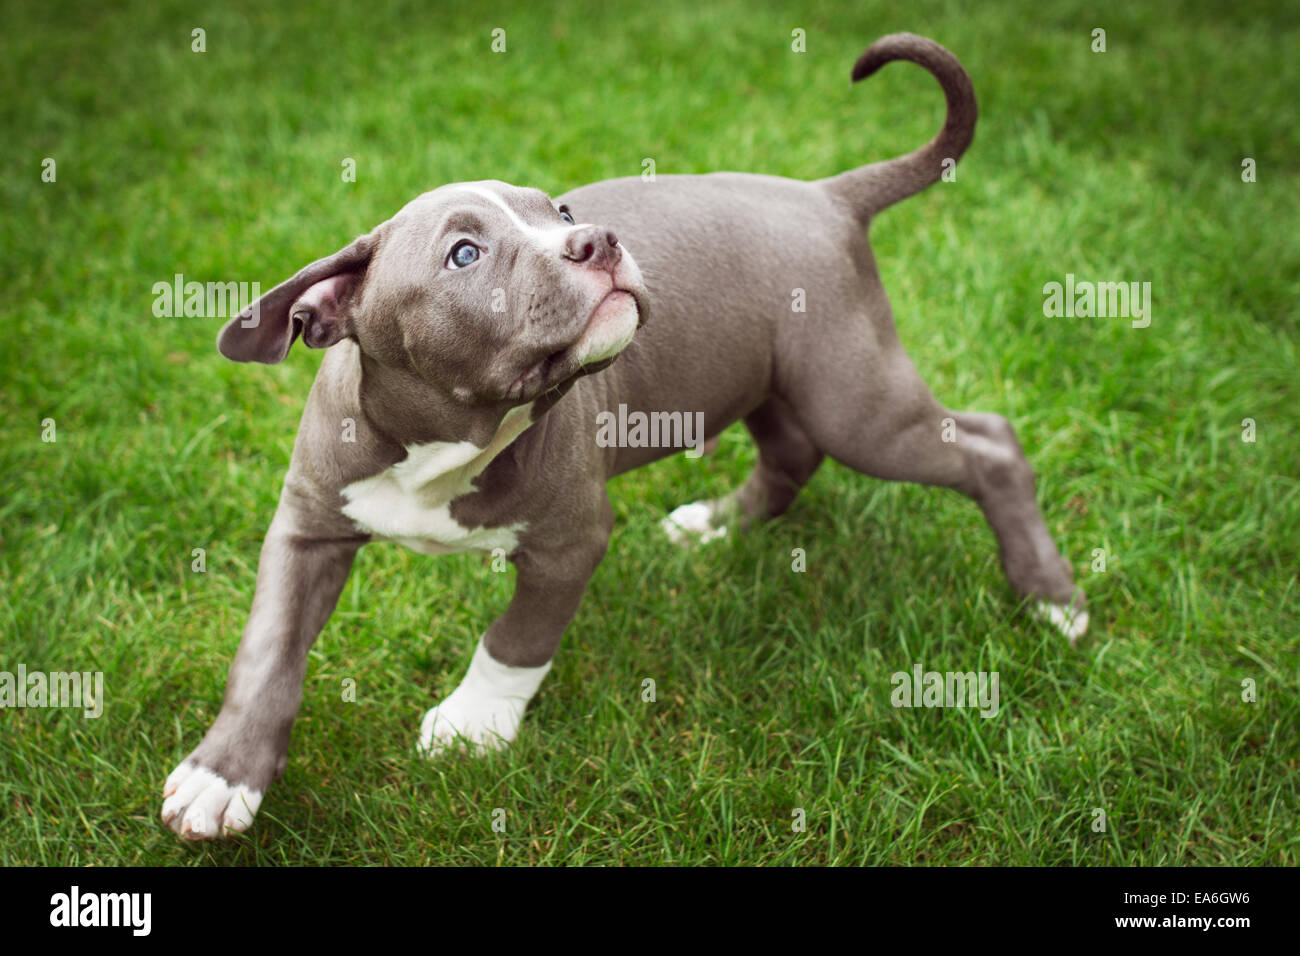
490 293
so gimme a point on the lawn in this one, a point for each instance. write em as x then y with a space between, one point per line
772 685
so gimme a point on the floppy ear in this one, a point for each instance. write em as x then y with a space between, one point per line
314 303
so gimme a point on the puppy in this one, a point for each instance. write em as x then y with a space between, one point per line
477 340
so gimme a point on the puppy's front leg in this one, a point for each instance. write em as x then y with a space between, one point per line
219 786
485 710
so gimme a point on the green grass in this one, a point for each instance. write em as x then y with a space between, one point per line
773 686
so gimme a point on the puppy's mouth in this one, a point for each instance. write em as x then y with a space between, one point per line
610 328
607 332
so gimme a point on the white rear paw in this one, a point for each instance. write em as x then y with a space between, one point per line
201 805
1072 622
692 524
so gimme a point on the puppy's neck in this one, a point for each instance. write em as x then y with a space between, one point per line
409 411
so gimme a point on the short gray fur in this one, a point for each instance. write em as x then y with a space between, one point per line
415 357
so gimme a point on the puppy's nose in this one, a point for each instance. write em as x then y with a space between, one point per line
594 246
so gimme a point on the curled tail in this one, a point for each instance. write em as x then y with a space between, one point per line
869 189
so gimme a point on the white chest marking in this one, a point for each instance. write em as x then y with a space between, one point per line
410 502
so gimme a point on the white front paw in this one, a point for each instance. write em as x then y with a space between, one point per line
201 805
463 722
485 710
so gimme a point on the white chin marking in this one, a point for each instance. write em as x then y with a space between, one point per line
1070 622
484 711
201 805
611 330
692 524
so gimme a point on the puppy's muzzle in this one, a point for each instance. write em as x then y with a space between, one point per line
594 247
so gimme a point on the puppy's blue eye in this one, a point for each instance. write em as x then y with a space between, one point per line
464 253
564 214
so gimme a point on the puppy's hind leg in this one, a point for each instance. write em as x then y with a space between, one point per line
787 458
888 425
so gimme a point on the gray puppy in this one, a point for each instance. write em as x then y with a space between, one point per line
472 341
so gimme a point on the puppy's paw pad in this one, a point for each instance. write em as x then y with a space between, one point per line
202 805
475 727
692 524
1070 621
